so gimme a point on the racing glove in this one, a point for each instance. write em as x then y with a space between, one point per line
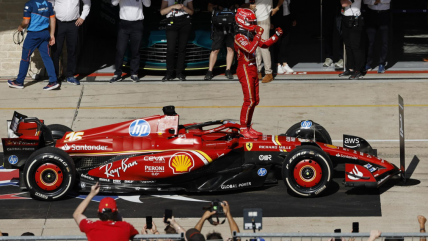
278 32
259 30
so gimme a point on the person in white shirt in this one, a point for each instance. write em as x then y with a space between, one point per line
179 26
285 19
352 31
263 9
130 29
68 20
378 19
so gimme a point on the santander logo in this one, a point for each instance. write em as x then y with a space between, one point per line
356 172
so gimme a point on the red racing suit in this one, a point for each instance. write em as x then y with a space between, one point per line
247 72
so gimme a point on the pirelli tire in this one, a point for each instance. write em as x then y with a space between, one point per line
321 134
307 171
58 131
49 174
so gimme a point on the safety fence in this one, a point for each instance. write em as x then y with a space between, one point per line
327 236
253 236
150 237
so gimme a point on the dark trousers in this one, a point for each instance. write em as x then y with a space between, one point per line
353 36
330 30
70 32
377 21
129 31
180 30
36 40
281 48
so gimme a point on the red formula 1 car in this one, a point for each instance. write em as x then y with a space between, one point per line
156 153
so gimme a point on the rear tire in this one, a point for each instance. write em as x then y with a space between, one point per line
58 131
321 134
307 171
49 174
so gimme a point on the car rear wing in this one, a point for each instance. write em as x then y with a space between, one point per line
30 128
25 135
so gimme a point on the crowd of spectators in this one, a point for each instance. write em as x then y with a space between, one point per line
63 19
110 225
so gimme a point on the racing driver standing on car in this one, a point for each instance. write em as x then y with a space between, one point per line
248 37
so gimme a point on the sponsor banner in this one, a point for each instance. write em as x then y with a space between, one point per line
235 186
139 128
109 171
352 142
181 163
77 147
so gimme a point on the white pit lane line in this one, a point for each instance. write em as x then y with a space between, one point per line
407 140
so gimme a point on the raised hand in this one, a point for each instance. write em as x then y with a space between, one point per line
259 30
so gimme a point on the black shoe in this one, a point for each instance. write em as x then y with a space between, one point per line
115 78
228 74
181 77
346 73
357 75
167 77
135 78
209 75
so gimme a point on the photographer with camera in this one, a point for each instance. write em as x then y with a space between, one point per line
352 28
221 34
219 208
178 27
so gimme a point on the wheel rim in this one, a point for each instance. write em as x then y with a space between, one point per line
49 177
307 173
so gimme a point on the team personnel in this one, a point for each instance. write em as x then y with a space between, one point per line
352 28
286 21
331 20
378 19
220 38
109 227
40 18
130 29
178 27
263 9
68 21
247 39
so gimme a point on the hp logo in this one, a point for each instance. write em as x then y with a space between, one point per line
262 172
139 128
306 124
13 159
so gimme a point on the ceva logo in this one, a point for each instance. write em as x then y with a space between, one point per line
13 159
139 128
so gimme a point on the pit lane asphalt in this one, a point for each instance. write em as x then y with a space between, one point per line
365 108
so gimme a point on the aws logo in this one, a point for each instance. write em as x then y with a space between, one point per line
181 163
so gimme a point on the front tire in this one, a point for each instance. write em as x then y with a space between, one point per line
307 171
49 174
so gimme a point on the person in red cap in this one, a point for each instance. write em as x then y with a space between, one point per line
248 37
108 228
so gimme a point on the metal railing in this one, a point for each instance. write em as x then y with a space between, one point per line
326 236
179 236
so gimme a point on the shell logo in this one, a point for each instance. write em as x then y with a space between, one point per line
181 163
